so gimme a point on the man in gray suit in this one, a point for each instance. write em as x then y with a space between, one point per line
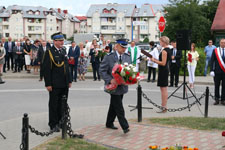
18 56
116 106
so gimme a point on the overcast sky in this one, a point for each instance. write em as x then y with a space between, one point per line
75 7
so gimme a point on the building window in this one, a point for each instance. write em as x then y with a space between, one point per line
37 13
0 19
30 28
118 19
6 19
5 27
6 34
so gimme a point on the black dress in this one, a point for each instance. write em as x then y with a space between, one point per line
163 71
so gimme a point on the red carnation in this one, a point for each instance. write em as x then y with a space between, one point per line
134 80
137 74
127 72
130 78
223 133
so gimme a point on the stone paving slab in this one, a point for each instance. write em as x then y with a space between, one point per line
141 136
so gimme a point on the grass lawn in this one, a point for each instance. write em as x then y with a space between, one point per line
198 123
70 144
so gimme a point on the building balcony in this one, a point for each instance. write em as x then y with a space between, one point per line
108 23
5 23
108 31
143 31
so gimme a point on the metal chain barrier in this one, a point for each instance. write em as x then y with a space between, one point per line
68 129
172 109
210 94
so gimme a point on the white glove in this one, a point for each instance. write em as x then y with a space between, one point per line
212 73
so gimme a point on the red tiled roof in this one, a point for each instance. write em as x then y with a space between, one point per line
219 20
81 18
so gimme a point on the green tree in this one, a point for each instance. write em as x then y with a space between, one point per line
187 15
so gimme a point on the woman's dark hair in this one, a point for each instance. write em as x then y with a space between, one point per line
26 41
152 43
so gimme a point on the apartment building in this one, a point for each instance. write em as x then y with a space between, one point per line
124 20
110 20
83 23
36 22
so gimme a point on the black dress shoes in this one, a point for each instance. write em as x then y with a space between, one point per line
176 85
112 127
80 136
2 82
126 131
171 86
216 103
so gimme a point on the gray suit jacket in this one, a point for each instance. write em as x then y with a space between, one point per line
16 56
106 67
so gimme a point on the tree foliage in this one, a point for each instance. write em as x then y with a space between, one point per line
190 15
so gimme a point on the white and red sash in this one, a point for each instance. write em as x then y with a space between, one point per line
219 58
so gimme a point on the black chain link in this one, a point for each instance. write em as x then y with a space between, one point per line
172 109
61 122
210 94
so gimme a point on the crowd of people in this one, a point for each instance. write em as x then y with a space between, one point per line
60 67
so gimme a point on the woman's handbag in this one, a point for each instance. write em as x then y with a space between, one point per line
71 61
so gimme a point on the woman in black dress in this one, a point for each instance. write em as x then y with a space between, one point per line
163 71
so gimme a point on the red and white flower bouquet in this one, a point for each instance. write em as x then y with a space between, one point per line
125 74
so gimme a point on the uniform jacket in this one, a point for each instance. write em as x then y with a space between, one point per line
106 67
75 54
57 77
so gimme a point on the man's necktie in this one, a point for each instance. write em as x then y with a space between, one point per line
174 52
120 60
223 53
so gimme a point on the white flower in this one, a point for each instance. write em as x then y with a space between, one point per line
134 69
127 68
125 64
122 73
131 66
133 76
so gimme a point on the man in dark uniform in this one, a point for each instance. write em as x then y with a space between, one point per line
116 105
217 69
57 78
175 64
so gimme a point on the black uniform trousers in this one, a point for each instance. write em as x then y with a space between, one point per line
150 71
55 105
174 71
95 69
217 79
116 110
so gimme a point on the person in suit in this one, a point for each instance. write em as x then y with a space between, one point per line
116 105
18 56
217 69
74 54
41 51
175 64
9 45
95 62
57 79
